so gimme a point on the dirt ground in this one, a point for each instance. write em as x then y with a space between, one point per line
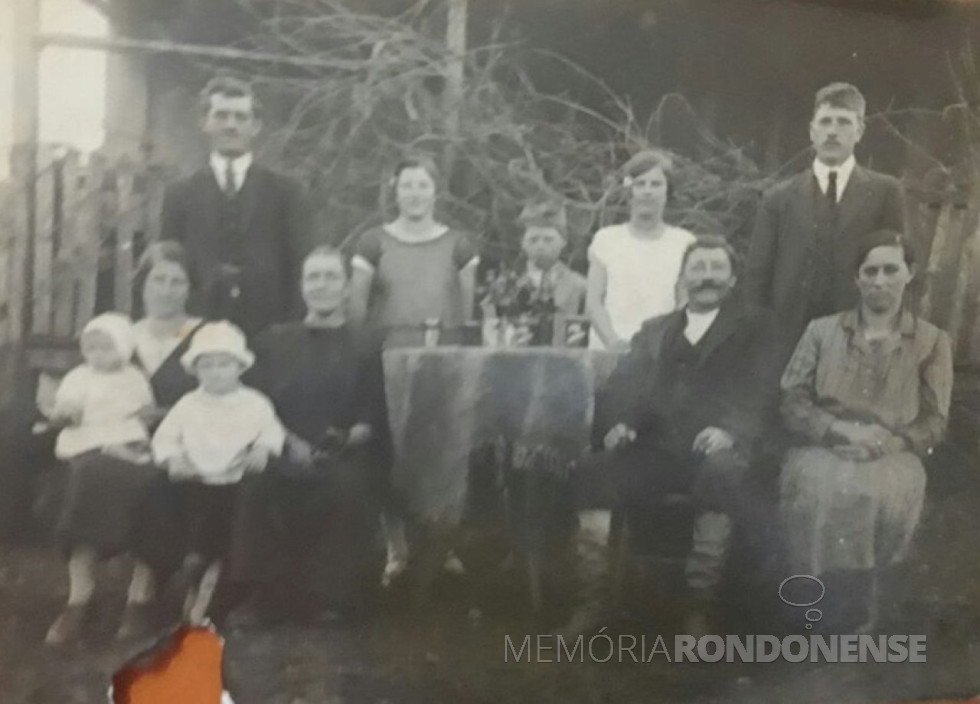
454 649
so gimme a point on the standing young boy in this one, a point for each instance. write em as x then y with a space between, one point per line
544 240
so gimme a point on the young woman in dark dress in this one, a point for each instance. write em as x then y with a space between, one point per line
163 282
114 506
325 378
165 331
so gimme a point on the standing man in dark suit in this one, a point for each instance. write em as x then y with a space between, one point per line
246 227
807 227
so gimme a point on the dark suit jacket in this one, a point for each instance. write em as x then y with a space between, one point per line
249 274
732 384
780 265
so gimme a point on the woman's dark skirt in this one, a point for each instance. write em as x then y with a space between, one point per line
313 533
94 500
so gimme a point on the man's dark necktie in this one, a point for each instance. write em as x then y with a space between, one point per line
832 188
230 189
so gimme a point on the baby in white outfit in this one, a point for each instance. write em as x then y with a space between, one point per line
100 402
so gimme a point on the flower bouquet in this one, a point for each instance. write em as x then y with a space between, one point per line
516 313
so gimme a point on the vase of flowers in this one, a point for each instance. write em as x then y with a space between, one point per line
516 312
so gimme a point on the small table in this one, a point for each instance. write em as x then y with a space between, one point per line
445 402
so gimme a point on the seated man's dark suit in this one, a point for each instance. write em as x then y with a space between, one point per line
669 390
247 249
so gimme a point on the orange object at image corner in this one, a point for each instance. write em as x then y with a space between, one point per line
184 666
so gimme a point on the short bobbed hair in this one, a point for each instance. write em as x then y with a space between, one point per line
650 159
157 252
415 161
163 251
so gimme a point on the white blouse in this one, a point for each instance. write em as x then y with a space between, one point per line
641 275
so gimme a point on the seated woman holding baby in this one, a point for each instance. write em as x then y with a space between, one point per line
105 409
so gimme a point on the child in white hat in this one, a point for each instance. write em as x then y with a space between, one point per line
209 441
100 405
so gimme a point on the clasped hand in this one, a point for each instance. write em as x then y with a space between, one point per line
712 440
864 441
619 436
302 452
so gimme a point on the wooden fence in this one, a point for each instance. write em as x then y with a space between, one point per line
946 226
92 222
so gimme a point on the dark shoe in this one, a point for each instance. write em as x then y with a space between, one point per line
67 626
136 622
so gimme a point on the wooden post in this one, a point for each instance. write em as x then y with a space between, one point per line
128 213
88 236
25 132
69 260
8 267
45 222
456 43
456 11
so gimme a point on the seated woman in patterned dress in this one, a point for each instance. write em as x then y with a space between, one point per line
866 395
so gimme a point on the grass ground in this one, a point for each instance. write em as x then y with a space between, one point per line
454 649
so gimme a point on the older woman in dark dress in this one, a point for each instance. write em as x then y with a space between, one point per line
867 395
325 378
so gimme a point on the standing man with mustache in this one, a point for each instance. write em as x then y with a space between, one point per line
246 228
807 227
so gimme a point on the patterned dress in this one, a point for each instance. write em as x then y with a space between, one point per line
841 514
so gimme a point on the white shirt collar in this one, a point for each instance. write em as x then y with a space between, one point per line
822 172
698 324
239 167
536 275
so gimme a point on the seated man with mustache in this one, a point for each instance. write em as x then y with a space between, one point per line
682 414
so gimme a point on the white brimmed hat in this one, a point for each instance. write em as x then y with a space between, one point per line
221 337
118 328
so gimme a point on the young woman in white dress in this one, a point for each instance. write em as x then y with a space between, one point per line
634 266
